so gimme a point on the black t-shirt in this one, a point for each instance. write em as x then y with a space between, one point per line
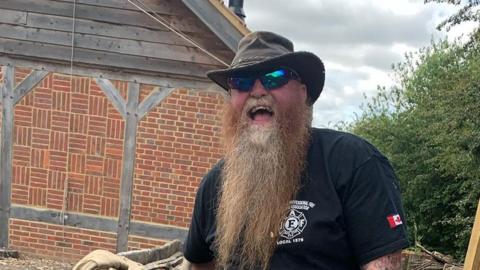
347 212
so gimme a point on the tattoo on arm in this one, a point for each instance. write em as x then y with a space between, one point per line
391 261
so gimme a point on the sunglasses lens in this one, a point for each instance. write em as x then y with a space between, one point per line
275 79
241 84
270 81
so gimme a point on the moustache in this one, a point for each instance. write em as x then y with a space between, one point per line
264 101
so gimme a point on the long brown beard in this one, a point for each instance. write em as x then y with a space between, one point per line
261 175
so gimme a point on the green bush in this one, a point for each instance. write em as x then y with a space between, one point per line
429 127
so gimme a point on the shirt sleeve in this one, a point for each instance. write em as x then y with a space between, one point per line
373 211
202 228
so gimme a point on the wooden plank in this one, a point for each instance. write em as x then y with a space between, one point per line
97 223
113 95
13 16
107 44
115 61
28 84
193 83
6 153
168 7
211 17
126 185
52 22
152 100
103 14
472 259
238 23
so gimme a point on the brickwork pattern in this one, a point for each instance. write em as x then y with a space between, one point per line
67 243
177 143
68 137
55 241
61 138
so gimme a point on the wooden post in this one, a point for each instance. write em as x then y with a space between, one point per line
472 259
6 153
132 112
129 149
10 96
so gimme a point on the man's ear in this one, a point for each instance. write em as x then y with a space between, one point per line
304 89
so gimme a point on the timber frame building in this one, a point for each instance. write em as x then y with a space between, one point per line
108 120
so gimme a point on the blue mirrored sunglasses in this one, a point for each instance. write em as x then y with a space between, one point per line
270 81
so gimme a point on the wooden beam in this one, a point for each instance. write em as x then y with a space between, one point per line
132 112
10 96
13 17
159 79
52 22
472 259
97 223
220 25
107 44
109 60
28 84
187 24
152 100
167 7
6 152
113 95
126 185
238 23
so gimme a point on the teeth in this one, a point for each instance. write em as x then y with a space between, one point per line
256 109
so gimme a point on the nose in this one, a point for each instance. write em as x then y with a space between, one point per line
258 90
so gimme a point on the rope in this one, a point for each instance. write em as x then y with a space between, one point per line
171 28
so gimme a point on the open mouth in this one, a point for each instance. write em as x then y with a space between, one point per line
261 114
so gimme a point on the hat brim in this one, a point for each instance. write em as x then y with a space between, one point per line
306 64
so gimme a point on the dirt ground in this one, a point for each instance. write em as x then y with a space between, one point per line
29 263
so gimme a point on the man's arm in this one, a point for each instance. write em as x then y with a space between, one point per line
390 261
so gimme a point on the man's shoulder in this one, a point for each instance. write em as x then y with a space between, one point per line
343 147
337 138
212 178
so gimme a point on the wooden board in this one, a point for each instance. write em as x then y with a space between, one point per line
6 153
217 23
103 14
170 7
32 50
107 44
96 223
128 166
13 17
113 96
28 84
11 94
472 259
52 22
152 78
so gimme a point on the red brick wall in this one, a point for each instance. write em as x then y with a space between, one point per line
67 132
67 243
177 143
55 241
60 137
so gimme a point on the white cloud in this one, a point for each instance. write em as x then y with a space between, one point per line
357 40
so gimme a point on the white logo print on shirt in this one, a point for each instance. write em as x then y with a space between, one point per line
294 224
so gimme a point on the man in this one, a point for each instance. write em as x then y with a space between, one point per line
286 195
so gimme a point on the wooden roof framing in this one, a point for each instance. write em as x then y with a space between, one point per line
115 35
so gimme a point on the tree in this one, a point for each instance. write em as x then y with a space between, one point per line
429 127
467 13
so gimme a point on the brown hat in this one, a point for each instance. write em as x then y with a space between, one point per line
263 51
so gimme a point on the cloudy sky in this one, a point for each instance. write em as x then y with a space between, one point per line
358 42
